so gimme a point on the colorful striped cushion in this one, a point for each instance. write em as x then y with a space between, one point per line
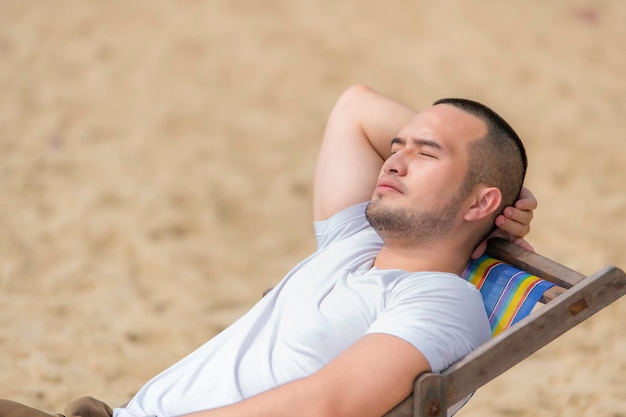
509 293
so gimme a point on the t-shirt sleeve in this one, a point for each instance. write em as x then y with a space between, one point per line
442 315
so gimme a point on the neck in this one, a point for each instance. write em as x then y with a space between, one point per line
440 257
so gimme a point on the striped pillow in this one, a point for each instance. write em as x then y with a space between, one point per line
509 293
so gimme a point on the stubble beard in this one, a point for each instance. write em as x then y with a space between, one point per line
415 226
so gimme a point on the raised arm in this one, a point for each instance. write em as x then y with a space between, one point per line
356 142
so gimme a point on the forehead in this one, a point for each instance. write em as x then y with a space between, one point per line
446 124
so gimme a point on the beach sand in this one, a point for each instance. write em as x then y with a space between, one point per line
156 161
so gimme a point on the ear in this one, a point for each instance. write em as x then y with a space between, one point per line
486 200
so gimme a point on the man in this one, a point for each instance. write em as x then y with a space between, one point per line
347 331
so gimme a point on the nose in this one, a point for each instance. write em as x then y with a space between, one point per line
396 164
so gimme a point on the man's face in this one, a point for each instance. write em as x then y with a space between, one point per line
420 188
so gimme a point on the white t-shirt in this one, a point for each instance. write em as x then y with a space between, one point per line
321 307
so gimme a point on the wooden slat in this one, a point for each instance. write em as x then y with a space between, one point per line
520 341
551 294
534 332
433 402
573 300
533 263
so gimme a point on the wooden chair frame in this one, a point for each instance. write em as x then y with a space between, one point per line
574 300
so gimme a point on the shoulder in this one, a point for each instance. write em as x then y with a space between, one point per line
341 225
438 292
441 314
414 286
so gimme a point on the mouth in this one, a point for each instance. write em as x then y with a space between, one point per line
387 184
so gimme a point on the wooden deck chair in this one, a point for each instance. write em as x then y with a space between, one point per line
569 298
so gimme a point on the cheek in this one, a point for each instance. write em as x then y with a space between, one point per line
437 182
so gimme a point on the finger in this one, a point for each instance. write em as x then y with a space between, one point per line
526 200
513 228
519 216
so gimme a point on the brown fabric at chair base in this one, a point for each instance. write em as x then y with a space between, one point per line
82 407
88 407
14 409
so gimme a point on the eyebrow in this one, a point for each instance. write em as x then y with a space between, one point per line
418 141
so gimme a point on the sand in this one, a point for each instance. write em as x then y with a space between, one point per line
156 161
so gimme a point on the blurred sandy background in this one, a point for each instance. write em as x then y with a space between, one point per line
156 161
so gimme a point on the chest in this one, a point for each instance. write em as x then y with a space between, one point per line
326 308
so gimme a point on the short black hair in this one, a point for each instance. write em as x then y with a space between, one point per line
499 159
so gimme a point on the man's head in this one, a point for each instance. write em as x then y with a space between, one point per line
499 159
453 168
